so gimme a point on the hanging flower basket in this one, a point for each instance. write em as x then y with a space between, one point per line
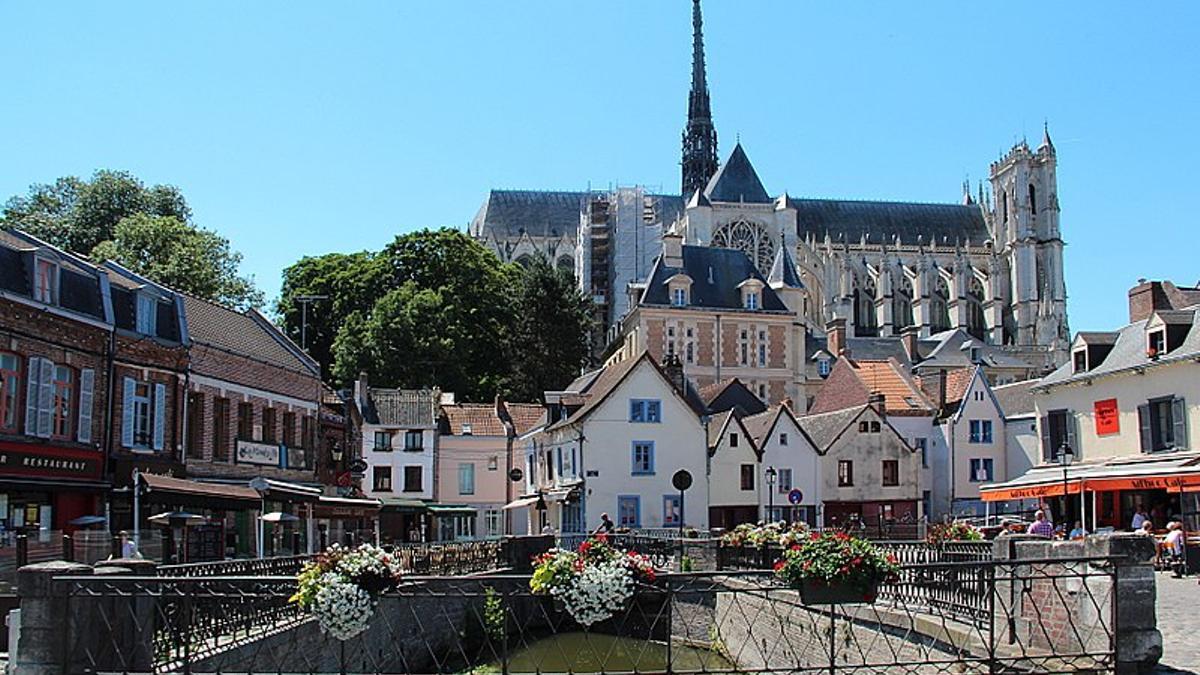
341 587
592 583
835 568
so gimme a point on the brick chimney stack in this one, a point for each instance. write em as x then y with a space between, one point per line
879 402
835 332
909 336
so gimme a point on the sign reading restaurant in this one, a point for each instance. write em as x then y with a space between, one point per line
21 459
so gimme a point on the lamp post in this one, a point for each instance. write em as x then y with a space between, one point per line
1065 457
304 300
771 474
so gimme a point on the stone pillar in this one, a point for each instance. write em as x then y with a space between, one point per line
45 640
1139 642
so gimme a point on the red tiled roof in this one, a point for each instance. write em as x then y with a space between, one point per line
480 418
525 416
852 382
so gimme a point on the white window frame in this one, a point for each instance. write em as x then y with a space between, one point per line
55 273
466 478
147 314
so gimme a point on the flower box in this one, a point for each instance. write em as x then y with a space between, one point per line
820 593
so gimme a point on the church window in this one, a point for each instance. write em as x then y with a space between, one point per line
940 306
1004 206
976 321
749 238
1032 200
865 324
902 293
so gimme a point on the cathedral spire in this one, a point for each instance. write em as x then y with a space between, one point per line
699 160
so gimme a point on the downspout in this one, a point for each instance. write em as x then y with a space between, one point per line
717 356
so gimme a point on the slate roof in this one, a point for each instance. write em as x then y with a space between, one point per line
716 427
783 270
243 334
481 418
726 267
825 427
758 425
882 222
1097 337
1016 399
79 283
730 394
402 407
953 350
737 181
1129 351
547 213
862 347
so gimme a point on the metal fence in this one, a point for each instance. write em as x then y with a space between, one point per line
1046 615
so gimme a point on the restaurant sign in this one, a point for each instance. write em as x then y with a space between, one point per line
1108 418
1031 492
18 459
252 452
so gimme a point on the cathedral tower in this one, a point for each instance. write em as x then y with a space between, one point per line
1026 235
699 161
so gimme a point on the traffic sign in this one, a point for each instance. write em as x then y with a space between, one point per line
682 480
516 474
795 496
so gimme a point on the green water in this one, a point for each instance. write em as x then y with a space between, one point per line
596 653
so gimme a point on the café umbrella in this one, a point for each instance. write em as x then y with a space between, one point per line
279 517
86 521
176 518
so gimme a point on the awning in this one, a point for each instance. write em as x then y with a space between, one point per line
346 507
450 509
284 491
405 505
183 492
1149 473
520 503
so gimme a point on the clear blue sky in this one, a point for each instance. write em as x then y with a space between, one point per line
298 128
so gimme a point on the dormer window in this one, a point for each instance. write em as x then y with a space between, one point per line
466 430
679 296
823 367
1081 361
1156 343
751 299
147 314
976 354
45 282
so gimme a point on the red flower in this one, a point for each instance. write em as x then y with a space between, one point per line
602 536
795 547
857 561
842 536
585 546
815 536
807 564
779 565
891 559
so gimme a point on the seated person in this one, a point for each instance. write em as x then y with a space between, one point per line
1078 532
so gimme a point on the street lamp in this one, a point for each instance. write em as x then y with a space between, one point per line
1065 457
771 473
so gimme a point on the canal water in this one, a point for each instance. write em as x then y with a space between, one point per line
596 653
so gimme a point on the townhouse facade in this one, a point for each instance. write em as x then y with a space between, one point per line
474 459
791 466
734 472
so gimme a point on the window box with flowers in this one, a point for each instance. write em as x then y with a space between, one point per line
835 568
592 583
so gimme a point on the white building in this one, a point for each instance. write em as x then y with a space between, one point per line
791 461
734 472
612 443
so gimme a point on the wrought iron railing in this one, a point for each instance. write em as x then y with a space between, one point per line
1046 615
270 567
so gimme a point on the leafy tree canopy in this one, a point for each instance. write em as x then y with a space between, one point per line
146 228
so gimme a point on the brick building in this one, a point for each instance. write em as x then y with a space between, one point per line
55 338
253 400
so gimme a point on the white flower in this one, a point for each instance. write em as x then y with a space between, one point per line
343 610
597 592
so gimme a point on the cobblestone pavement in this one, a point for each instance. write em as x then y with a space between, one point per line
1179 622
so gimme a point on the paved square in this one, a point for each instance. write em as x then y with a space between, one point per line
1179 622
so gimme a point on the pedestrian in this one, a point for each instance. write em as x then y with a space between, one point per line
1041 527
1173 544
547 529
1147 528
1078 532
606 525
128 546
1139 518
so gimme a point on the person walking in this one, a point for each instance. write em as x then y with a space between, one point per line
1041 527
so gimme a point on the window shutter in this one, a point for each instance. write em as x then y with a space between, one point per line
32 378
87 381
1144 426
1072 437
1047 450
160 417
45 414
127 413
1179 421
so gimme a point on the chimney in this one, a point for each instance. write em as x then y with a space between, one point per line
1145 298
672 249
940 399
879 402
835 332
673 367
909 336
360 390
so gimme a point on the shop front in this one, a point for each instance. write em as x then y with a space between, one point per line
347 521
404 521
43 488
453 522
224 526
1107 495
287 525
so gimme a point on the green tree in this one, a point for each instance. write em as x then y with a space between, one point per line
181 256
350 283
77 214
549 340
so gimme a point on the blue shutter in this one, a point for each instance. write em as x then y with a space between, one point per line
1179 421
45 413
32 378
87 382
127 413
160 415
1144 427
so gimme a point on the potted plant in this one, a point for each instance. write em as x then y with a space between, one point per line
956 531
341 587
593 582
835 568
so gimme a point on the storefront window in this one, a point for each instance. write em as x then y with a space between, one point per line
10 382
64 387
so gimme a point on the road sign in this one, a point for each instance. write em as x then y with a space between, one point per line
795 496
516 474
682 480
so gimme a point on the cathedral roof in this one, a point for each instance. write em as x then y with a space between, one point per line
737 181
783 271
716 274
882 222
545 213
